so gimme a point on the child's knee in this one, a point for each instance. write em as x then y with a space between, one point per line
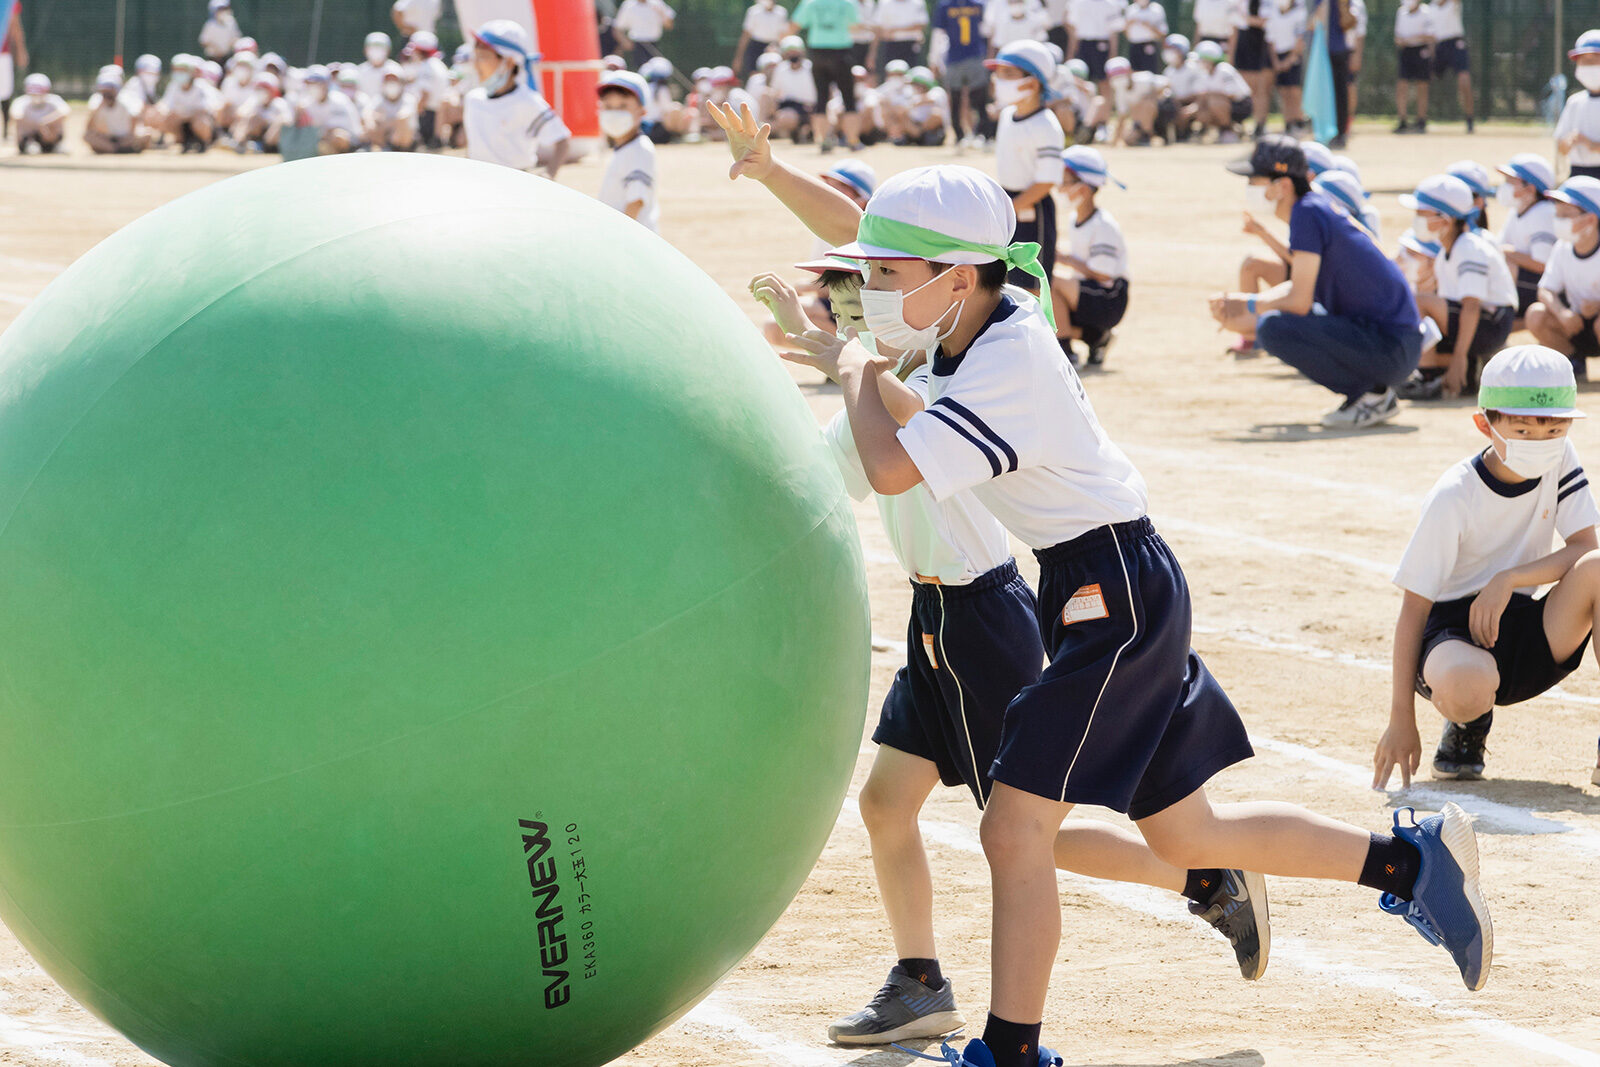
884 808
1465 691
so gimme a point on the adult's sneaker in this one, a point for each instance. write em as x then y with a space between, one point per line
1447 905
1363 411
1237 907
976 1054
902 1010
1461 748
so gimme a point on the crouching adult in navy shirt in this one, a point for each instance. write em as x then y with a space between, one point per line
1345 318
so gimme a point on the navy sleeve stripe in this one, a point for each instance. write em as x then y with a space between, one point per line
639 176
1571 474
983 428
988 453
1573 488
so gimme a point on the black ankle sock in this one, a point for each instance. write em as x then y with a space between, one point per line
1392 866
1013 1044
1201 884
1428 374
925 971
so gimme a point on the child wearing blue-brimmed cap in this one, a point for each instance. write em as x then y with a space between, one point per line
1578 128
1566 317
1516 516
1092 301
1529 234
629 182
1027 148
507 120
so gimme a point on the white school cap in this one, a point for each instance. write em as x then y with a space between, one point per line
1476 175
1529 380
959 202
1318 158
1581 192
1444 193
1531 168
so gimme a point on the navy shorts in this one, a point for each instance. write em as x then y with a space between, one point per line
1100 308
1494 326
1521 650
1145 56
1582 170
1450 56
1095 54
1041 228
1527 289
1415 64
969 650
1126 716
1250 52
1291 76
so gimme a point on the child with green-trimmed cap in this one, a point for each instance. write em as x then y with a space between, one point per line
1566 315
1027 149
1125 715
1514 517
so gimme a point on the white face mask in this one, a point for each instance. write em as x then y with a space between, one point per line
1589 77
1567 230
1255 198
1422 226
615 122
1506 196
883 310
376 56
1531 459
391 91
498 80
1009 92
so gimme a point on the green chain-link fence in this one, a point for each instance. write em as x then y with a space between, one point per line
1512 42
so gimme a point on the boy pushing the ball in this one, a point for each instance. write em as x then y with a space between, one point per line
1126 715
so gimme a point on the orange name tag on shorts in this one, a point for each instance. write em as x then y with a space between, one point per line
1086 604
927 646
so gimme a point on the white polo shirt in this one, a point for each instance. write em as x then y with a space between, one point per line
1142 86
766 24
631 175
1284 27
1410 24
1145 24
1475 267
422 14
1028 151
1095 20
200 97
643 20
1575 278
933 102
902 20
793 83
1228 81
1474 526
1001 27
1188 80
1446 17
1532 232
116 120
338 112
369 79
1581 115
218 36
1098 242
955 540
1009 420
1214 19
511 128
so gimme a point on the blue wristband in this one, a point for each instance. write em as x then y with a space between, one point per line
1250 303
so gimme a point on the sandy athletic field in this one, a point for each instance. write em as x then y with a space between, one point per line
1287 534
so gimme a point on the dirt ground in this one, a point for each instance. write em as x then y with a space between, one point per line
1287 533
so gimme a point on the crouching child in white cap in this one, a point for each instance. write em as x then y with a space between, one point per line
629 183
113 126
40 116
507 119
391 118
1091 302
1515 516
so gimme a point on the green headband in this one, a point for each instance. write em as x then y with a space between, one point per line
1510 397
924 243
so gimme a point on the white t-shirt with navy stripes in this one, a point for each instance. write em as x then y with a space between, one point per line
1009 420
1574 278
1532 232
1099 243
631 175
954 540
1475 267
1028 151
1474 526
509 129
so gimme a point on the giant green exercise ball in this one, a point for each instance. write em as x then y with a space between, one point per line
431 628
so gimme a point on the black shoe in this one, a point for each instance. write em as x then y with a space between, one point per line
1419 126
1469 123
1580 367
1461 748
1338 143
1402 127
1238 909
1421 387
1097 352
1260 131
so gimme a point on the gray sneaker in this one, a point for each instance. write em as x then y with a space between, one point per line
903 1009
1363 411
1238 909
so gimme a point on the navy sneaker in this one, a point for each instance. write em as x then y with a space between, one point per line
1447 908
1237 907
976 1054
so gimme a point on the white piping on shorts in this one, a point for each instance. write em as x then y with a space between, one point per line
961 703
1133 613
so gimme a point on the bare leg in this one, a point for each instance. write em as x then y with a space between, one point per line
896 788
1102 850
1548 330
1266 837
1463 678
1019 837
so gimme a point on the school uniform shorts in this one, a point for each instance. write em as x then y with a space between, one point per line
1095 54
969 650
1126 716
1415 64
1291 76
1451 55
1145 56
1521 650
1101 307
1040 228
1494 326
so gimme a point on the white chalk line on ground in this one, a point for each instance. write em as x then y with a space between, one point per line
715 1013
1198 458
1291 950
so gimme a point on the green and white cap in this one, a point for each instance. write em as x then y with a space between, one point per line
1530 380
944 214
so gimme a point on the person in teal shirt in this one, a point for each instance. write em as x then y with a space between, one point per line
826 25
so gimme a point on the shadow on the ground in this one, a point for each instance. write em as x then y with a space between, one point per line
1282 432
1536 796
893 1057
